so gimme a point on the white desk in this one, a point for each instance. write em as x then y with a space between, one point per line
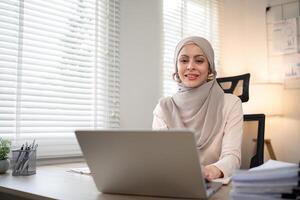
54 182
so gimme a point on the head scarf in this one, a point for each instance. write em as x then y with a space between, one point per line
200 108
203 44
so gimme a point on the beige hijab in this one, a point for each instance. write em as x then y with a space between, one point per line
199 109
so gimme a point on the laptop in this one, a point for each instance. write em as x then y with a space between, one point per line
160 163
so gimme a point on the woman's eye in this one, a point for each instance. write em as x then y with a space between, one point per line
183 61
199 61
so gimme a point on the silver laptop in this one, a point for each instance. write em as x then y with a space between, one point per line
151 163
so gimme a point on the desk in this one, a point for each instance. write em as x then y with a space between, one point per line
54 182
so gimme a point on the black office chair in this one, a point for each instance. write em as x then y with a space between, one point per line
258 157
239 86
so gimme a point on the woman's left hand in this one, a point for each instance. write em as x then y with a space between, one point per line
212 172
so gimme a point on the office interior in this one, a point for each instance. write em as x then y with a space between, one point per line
244 50
244 46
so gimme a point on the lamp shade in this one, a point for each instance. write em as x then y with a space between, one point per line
264 98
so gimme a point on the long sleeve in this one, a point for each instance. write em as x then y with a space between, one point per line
158 123
230 158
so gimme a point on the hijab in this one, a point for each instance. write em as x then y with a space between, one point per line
200 108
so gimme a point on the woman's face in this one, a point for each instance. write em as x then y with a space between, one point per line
193 66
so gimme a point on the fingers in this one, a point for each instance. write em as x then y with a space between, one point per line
211 172
207 174
209 177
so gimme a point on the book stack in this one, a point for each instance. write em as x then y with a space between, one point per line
272 180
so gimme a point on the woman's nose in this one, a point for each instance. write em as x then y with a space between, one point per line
190 66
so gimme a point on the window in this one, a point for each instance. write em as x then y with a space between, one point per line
59 71
182 18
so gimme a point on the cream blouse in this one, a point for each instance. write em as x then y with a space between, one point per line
225 151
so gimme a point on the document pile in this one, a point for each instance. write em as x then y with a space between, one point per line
272 180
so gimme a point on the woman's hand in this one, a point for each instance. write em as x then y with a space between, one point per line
211 172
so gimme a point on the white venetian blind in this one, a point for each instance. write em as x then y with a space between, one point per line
59 71
182 18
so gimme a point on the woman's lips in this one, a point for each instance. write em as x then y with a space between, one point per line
192 77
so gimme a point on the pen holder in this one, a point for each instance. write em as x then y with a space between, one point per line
23 162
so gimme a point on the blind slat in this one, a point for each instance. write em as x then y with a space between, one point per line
58 71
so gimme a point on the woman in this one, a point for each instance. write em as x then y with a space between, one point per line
201 105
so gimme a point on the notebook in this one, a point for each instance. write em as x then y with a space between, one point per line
145 162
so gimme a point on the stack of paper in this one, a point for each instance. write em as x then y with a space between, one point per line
272 180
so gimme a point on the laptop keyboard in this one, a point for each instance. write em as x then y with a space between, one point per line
208 184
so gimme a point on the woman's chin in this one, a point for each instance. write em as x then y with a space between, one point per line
193 84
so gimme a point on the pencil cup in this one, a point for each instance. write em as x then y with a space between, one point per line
23 162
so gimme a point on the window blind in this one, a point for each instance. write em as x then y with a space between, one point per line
59 71
182 18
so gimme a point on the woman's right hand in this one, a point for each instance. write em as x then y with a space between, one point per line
211 172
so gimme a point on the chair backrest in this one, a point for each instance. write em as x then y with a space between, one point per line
237 85
254 124
253 141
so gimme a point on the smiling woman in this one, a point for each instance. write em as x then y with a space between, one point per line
201 105
193 67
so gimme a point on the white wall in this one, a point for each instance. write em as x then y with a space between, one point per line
245 50
244 39
140 61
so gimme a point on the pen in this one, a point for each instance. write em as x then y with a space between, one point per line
32 145
24 167
19 153
20 160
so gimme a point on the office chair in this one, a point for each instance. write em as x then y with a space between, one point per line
237 85
253 141
253 144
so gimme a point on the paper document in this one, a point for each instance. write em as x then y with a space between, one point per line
271 180
274 164
271 170
80 170
224 181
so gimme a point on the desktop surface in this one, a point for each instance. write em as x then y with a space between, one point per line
55 182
